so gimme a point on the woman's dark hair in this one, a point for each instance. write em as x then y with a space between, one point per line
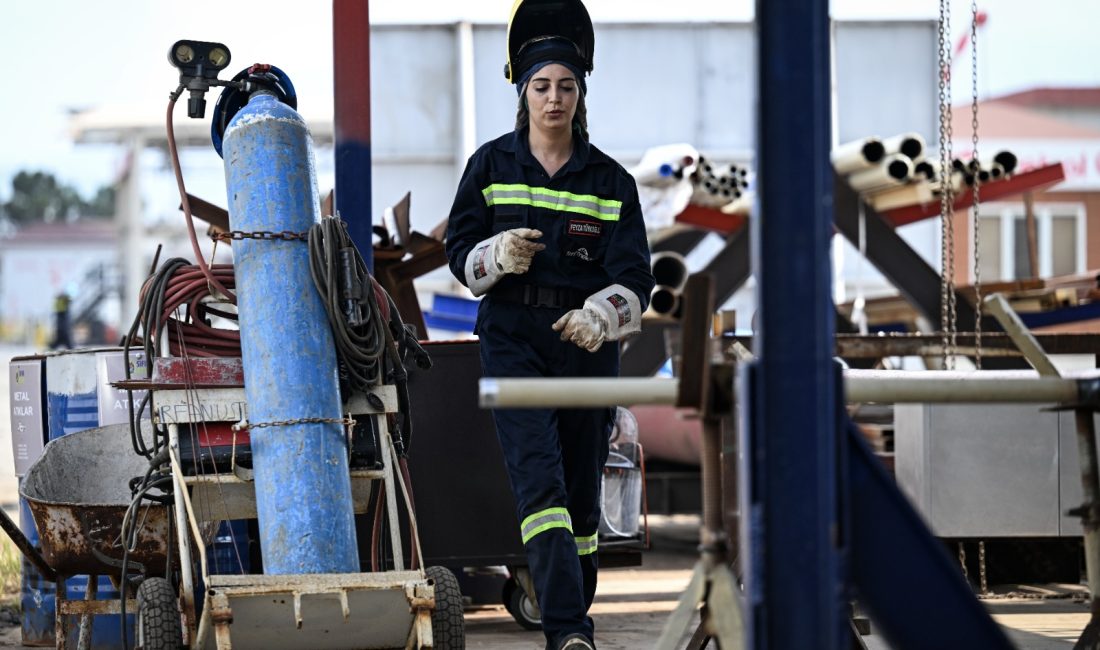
580 118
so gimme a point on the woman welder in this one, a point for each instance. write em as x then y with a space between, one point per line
548 229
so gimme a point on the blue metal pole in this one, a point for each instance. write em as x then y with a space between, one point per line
795 533
303 489
351 75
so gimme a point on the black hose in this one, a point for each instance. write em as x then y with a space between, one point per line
125 534
350 304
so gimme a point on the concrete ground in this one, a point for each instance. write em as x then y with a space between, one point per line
633 604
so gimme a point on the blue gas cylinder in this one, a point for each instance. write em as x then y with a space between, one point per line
299 449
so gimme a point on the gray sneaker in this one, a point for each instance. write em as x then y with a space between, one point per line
576 642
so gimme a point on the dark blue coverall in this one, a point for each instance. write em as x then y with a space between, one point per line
592 226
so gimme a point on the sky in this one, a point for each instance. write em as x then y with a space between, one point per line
63 55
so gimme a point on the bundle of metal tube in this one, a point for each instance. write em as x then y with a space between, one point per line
1001 165
718 184
858 155
895 169
873 164
878 167
670 272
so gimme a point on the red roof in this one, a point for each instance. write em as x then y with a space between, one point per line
999 118
1059 97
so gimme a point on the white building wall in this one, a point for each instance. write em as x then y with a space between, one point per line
31 276
654 83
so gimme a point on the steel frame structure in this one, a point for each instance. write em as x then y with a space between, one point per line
823 519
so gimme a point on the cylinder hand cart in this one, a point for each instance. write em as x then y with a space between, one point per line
391 609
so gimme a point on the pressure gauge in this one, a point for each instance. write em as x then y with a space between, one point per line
184 53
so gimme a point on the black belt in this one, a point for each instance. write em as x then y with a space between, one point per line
536 296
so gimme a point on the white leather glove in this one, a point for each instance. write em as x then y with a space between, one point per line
607 315
585 327
508 252
514 250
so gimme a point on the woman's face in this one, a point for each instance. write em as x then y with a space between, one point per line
552 98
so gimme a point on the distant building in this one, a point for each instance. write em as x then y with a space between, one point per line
42 260
1041 126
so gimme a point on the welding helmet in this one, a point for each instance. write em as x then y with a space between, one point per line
539 30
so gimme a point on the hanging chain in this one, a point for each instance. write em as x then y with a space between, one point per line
238 235
947 193
975 209
962 561
983 585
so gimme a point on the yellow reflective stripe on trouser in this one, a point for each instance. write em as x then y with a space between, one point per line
544 520
541 197
586 545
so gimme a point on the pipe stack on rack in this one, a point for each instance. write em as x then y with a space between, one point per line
722 186
893 173
670 271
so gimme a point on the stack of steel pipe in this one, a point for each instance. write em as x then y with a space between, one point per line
718 185
1001 165
893 172
874 165
670 272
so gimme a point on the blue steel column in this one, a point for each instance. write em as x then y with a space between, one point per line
794 573
303 489
351 76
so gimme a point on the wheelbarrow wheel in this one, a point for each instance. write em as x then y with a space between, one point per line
520 606
158 616
448 624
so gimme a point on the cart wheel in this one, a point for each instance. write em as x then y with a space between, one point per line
158 616
520 606
448 624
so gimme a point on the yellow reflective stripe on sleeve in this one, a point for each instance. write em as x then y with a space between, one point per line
587 545
544 520
541 197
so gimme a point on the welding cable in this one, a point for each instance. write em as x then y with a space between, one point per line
414 550
176 298
126 534
339 272
173 155
148 341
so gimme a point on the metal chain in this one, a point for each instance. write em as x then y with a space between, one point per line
245 424
947 193
977 220
1081 597
267 235
962 561
982 584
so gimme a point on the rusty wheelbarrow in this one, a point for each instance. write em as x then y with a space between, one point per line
78 493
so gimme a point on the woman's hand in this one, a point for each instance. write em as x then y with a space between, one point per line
514 250
585 327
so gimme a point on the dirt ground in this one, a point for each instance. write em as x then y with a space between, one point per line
632 605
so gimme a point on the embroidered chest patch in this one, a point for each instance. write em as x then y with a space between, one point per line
585 228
